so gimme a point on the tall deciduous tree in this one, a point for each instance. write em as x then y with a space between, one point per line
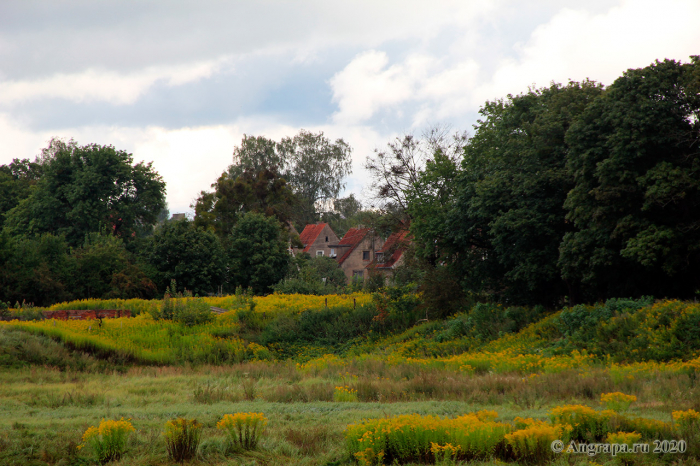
635 159
16 180
89 188
257 253
313 166
396 171
497 222
263 192
188 254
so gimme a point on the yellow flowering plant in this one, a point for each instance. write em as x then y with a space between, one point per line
243 430
532 443
344 393
617 401
444 454
182 437
108 440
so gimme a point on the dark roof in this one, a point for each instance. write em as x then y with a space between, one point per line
310 233
395 245
352 238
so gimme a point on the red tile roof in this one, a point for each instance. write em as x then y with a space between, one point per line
310 233
352 238
395 244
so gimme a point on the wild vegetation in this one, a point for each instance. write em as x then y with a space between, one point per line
518 318
388 393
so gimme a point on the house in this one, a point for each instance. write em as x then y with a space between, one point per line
356 250
317 240
390 256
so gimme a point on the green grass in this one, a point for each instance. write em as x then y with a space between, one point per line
56 381
43 412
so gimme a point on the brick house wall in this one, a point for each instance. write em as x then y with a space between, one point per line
87 314
357 250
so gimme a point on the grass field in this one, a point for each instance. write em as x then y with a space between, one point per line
57 380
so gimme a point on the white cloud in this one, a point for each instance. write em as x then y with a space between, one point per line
572 44
576 45
106 86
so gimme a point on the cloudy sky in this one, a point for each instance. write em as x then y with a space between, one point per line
179 83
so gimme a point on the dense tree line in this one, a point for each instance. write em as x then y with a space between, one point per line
571 192
568 193
85 221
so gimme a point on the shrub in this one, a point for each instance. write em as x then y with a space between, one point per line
410 437
344 393
182 437
533 442
108 440
617 401
243 430
586 423
444 454
687 426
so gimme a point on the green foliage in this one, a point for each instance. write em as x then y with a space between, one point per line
16 182
311 275
185 310
499 220
257 253
36 269
182 438
84 189
634 158
188 254
264 192
103 270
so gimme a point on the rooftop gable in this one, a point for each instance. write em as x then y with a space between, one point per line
352 238
310 233
395 245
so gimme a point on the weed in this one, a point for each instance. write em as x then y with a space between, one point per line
182 437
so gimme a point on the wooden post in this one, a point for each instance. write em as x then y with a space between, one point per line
326 302
354 303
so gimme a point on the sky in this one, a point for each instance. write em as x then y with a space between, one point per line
179 83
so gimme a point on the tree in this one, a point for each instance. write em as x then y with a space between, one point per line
635 159
345 215
16 181
35 270
396 171
255 154
104 269
188 254
313 166
312 275
84 189
263 192
257 253
496 221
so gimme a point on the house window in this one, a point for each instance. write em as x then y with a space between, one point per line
380 256
319 253
358 273
326 239
365 255
332 253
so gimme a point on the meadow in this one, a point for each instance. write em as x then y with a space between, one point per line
345 383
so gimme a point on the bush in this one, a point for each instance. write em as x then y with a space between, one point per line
243 430
108 441
532 442
188 311
411 437
344 394
182 437
617 401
